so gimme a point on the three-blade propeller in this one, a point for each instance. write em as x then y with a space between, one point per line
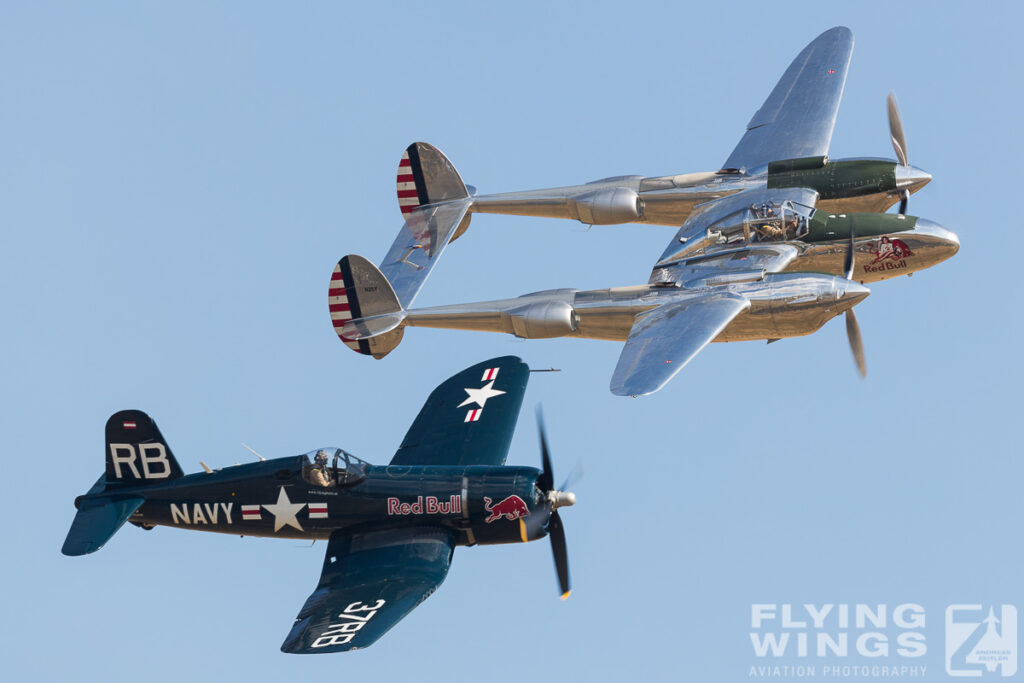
899 143
552 499
852 327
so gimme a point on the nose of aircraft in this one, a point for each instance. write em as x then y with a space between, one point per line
941 237
911 178
850 293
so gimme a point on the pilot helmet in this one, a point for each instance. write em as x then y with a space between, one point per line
321 457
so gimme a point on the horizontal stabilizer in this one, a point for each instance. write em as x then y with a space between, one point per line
359 293
421 241
373 326
97 520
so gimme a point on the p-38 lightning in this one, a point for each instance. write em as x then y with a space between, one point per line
391 529
773 245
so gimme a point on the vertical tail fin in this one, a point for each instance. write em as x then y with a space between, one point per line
137 452
365 311
425 176
136 455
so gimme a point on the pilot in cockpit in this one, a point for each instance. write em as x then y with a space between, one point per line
319 474
791 227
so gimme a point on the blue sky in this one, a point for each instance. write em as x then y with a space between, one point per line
178 182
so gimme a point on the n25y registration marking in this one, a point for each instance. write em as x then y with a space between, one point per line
339 634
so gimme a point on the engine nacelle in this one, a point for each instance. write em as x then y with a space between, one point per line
544 320
609 206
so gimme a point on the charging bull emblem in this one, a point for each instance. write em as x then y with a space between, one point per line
512 508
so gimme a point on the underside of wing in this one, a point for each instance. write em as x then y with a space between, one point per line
469 419
420 243
370 581
798 117
663 340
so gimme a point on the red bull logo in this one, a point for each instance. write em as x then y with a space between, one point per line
891 254
429 505
512 508
892 249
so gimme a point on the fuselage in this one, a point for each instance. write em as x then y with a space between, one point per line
276 498
781 305
843 186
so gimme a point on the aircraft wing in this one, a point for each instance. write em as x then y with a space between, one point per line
370 582
664 339
421 241
469 419
798 117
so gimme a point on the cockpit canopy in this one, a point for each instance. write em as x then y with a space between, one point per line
333 467
765 222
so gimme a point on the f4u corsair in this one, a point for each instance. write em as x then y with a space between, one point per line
391 529
773 245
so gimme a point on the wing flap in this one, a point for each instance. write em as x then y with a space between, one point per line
664 339
799 115
370 581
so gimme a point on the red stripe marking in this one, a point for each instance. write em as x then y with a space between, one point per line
404 162
339 307
405 178
336 275
336 291
407 209
402 194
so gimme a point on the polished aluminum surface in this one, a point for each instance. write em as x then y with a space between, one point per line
419 245
795 121
911 178
759 254
663 340
798 117
926 245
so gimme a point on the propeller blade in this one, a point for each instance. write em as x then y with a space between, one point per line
904 201
537 520
546 480
574 477
850 254
856 343
899 139
557 534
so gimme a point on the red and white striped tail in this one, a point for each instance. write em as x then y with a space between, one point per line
360 292
341 311
415 188
408 194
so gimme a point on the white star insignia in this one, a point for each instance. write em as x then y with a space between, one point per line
284 512
480 396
